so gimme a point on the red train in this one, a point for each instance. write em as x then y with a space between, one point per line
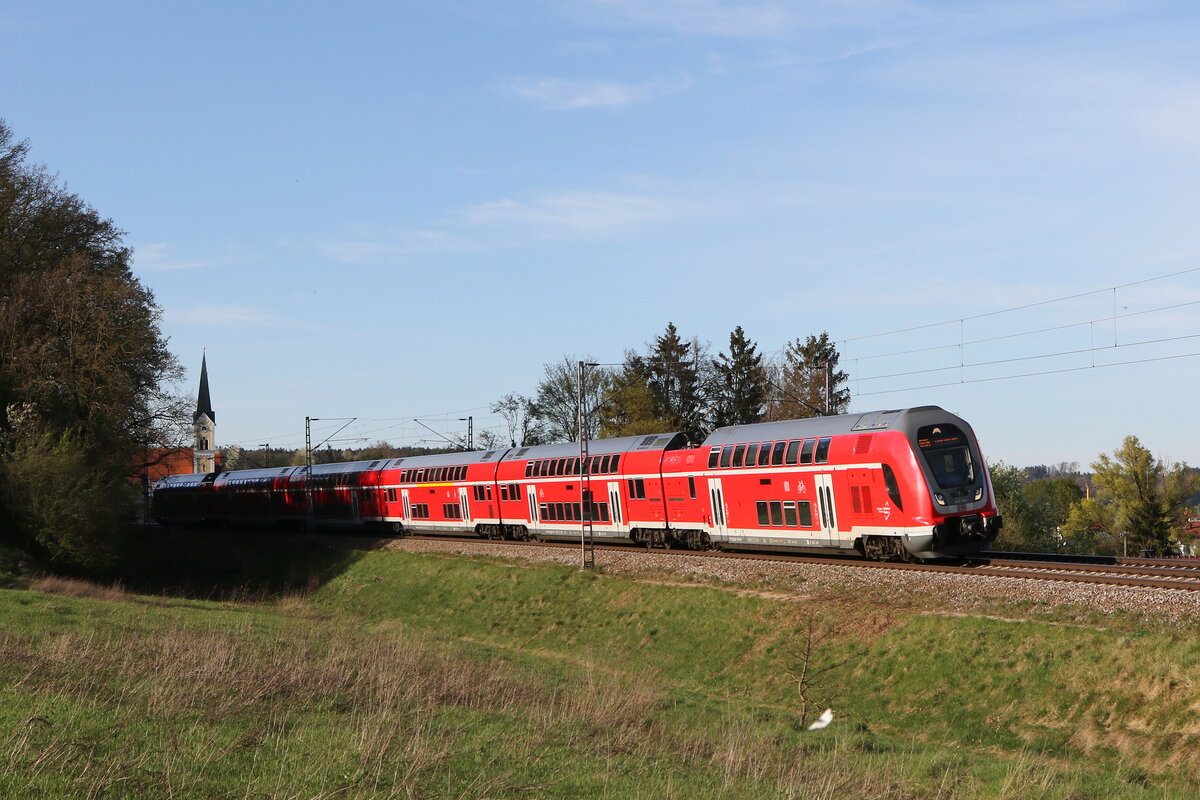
889 484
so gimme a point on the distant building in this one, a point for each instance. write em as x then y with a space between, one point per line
204 422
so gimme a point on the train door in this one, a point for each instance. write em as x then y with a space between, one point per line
716 495
614 506
407 506
826 508
354 505
533 508
466 507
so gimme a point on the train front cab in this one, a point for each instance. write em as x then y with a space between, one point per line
959 498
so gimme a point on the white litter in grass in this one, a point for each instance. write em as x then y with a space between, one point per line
823 720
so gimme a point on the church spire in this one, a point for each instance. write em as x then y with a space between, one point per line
204 422
203 403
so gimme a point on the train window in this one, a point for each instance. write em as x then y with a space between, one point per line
751 454
806 454
544 511
528 469
739 453
603 508
764 517
764 455
726 455
391 495
789 514
793 449
692 487
777 454
805 509
893 488
776 513
543 468
616 463
714 455
823 450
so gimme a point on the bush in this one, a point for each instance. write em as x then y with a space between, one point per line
68 509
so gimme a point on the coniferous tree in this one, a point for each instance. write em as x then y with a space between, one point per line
800 382
675 377
740 383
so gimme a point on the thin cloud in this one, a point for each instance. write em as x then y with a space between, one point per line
558 94
575 213
159 256
513 222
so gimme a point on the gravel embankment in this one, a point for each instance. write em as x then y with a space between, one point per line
890 587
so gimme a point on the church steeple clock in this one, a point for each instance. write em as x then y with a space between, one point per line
204 422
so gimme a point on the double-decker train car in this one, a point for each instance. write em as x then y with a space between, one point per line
908 484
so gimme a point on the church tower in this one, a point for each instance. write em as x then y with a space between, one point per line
204 422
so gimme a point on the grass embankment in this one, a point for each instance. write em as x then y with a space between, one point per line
395 675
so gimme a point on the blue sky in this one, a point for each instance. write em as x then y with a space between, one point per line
402 210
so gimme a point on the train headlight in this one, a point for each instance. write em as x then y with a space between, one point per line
979 493
941 500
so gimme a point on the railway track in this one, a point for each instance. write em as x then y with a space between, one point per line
1167 574
1142 573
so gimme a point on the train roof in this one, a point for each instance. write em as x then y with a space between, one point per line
447 459
173 481
903 419
340 467
599 447
260 474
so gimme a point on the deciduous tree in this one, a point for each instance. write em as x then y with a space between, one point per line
85 370
1147 495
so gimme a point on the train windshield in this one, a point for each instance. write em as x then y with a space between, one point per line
948 455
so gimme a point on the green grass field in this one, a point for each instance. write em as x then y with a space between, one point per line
224 671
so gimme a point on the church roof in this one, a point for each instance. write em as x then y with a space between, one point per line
203 403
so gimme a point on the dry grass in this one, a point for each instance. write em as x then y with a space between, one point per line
73 587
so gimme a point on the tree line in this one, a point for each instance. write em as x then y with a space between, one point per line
677 384
1131 503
